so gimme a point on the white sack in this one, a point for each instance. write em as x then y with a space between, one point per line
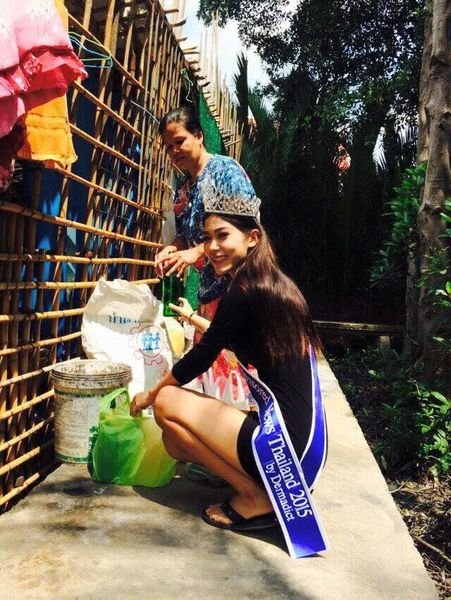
123 322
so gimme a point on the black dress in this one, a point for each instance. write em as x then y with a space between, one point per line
234 327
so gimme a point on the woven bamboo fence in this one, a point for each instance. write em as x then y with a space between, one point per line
62 229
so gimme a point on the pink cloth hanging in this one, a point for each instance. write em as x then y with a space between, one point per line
37 62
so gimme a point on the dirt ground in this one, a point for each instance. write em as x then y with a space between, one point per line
426 509
424 504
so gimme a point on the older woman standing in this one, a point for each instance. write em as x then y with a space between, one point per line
183 138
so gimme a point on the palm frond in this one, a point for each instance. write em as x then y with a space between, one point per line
242 92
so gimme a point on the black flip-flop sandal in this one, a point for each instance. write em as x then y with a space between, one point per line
240 523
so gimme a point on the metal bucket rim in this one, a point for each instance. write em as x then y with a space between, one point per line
121 371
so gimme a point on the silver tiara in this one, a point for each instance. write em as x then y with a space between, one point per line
216 200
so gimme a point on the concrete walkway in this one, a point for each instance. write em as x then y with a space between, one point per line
73 538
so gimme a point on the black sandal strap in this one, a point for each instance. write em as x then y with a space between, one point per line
231 513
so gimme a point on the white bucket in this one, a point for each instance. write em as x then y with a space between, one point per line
79 388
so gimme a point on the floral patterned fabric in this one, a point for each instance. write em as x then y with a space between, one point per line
225 371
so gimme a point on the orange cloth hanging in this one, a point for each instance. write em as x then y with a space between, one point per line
47 131
48 136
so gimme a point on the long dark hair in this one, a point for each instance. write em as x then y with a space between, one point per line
186 115
280 308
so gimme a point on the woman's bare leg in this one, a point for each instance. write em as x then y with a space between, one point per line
201 429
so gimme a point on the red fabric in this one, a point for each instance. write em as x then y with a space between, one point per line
226 362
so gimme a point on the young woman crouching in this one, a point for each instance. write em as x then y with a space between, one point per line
264 319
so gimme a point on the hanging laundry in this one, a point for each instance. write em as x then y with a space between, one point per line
37 62
47 135
47 131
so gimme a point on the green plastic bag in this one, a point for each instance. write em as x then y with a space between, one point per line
129 450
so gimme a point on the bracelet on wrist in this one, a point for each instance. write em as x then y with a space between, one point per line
191 316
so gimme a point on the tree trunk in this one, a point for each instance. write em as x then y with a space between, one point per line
423 128
433 147
413 262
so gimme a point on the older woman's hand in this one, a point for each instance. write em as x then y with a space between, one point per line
161 258
178 262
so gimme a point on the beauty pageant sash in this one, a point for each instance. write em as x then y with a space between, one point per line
287 481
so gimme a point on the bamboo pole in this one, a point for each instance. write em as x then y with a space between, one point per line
25 376
40 316
107 192
40 344
33 384
27 434
16 239
28 483
63 285
101 146
13 464
70 259
34 214
149 135
98 148
28 360
126 110
182 14
232 143
116 63
30 403
106 109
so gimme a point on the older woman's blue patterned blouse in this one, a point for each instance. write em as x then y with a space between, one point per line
189 213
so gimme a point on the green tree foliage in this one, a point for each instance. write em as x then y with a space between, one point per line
406 420
366 46
390 264
261 139
281 156
339 71
257 20
242 94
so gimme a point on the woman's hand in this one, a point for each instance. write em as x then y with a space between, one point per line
183 309
141 401
178 262
186 313
161 257
146 399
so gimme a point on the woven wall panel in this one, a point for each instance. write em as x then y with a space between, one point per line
61 229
